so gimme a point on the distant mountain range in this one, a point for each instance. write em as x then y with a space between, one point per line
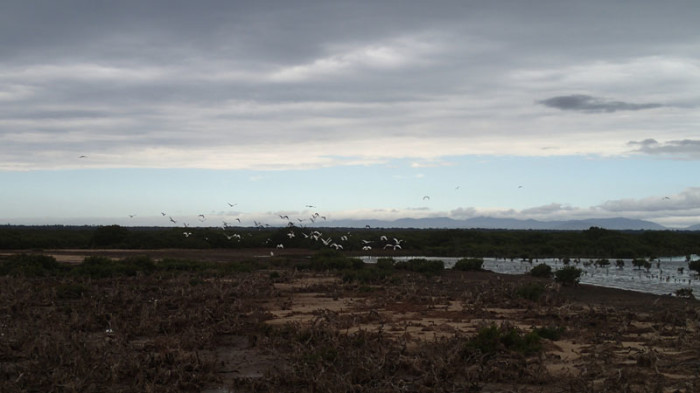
506 223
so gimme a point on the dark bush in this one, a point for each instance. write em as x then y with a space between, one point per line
70 291
541 270
639 263
469 264
183 265
385 263
550 332
96 267
694 266
332 260
141 263
685 293
568 275
494 339
421 265
31 265
102 267
357 263
531 291
366 276
109 236
235 267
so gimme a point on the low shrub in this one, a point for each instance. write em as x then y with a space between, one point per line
181 265
365 276
494 339
541 270
31 265
421 265
685 293
235 267
385 263
694 266
332 260
96 267
531 291
469 264
550 332
102 267
640 263
70 291
137 264
568 275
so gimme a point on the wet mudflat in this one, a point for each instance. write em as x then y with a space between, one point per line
279 327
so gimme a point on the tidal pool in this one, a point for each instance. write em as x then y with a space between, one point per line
666 275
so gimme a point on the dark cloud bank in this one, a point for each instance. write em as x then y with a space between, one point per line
586 103
686 147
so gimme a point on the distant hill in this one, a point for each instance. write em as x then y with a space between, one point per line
613 223
693 228
502 223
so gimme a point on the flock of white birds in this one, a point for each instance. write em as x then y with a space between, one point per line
295 228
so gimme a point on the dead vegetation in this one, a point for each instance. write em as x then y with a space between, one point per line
277 328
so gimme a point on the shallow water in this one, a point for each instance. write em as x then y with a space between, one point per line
663 278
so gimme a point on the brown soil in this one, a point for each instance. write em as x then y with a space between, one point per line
611 340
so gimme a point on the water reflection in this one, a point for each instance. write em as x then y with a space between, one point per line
666 275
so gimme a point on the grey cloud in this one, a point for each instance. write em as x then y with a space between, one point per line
586 103
686 200
256 33
546 209
279 32
461 212
54 114
688 148
173 72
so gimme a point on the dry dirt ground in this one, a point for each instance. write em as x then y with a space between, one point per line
611 340
610 336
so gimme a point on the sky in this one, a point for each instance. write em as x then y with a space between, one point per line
135 112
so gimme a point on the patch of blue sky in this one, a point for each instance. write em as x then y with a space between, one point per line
453 182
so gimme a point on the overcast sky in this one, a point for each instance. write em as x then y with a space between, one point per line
366 109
